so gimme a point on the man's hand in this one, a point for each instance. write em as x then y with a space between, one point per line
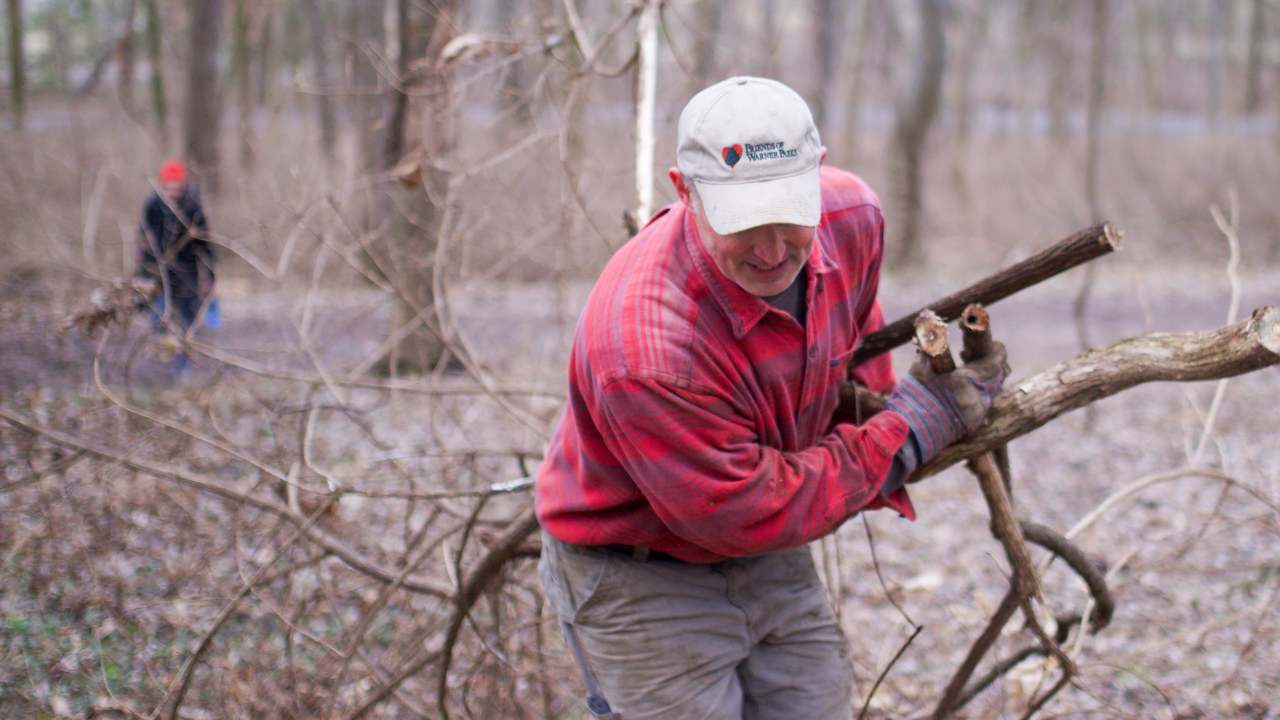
942 408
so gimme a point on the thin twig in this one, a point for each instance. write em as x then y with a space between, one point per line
867 703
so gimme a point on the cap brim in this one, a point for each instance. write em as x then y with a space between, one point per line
793 200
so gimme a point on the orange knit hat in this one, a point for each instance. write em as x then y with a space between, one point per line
173 171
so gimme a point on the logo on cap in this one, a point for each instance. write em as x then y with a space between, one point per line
731 154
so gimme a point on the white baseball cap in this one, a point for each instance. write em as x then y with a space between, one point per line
751 149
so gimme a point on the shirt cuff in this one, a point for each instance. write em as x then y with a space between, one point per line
905 462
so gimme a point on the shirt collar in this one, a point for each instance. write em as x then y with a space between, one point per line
743 309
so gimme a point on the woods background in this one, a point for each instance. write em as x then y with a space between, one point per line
410 200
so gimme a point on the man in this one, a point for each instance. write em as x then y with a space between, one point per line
697 454
174 252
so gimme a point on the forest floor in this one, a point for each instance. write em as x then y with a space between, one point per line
1196 633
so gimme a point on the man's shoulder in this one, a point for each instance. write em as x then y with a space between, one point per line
641 314
843 191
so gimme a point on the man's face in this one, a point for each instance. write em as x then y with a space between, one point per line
762 260
172 190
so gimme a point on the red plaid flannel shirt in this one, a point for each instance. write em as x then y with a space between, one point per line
699 417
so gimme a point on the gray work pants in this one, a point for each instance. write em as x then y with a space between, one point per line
747 638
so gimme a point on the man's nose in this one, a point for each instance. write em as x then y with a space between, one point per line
771 250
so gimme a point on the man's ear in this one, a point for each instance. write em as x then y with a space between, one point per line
823 159
682 188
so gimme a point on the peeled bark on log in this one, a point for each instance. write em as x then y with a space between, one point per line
1233 350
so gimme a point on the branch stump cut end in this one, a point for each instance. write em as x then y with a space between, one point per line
1266 323
1111 237
932 340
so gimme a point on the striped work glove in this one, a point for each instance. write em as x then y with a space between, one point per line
941 409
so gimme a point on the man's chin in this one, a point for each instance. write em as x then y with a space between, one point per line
765 286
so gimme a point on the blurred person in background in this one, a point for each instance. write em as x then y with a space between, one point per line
700 450
175 254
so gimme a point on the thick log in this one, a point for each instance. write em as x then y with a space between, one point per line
1061 256
1233 350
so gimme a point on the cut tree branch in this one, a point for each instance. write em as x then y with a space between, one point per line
1232 350
1080 248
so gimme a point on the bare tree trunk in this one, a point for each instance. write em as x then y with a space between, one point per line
826 21
367 30
17 67
324 103
1092 156
706 37
1253 73
1147 53
125 56
855 57
769 38
418 215
240 71
1056 37
61 49
203 104
265 55
916 111
1216 67
1097 105
398 107
159 104
646 101
975 40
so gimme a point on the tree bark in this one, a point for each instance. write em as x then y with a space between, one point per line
706 37
1055 32
398 105
1145 27
768 42
1216 67
967 62
1233 350
367 30
203 104
646 104
1092 156
265 55
17 67
853 64
409 250
826 20
241 73
320 67
126 54
916 111
159 103
1253 71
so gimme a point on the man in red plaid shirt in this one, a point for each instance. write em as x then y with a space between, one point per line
698 456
